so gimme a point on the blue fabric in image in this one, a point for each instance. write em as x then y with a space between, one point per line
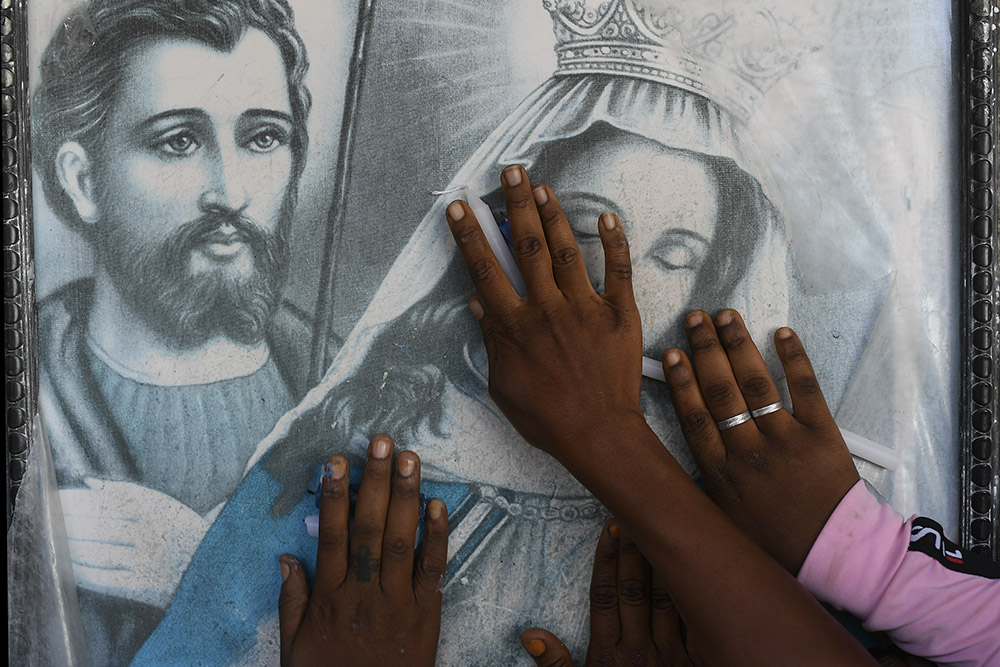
232 584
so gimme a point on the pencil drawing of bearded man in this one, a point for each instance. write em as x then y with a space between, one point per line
174 147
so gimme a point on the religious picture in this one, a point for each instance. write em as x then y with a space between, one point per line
170 141
654 111
244 268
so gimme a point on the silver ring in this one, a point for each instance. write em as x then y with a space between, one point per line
766 410
741 418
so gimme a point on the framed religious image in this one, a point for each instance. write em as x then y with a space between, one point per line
226 259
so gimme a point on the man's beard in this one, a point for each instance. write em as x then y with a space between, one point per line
188 309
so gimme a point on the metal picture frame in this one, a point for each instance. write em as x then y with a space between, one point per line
980 430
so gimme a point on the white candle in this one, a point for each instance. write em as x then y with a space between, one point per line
497 242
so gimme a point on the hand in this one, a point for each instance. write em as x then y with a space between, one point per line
779 476
129 540
368 605
633 621
563 360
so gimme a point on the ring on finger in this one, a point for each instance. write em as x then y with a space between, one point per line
766 410
741 418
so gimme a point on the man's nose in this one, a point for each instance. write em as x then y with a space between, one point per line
227 184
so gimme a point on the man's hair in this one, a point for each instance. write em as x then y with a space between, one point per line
75 97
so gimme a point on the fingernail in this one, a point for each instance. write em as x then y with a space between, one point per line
455 211
535 647
673 358
335 469
725 318
434 509
512 176
477 309
784 332
694 319
614 530
541 195
406 466
380 448
285 570
609 221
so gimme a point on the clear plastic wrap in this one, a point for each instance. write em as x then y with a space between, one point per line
43 618
859 255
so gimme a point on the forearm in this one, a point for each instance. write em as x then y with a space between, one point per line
739 603
903 577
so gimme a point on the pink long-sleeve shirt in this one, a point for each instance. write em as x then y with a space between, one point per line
903 577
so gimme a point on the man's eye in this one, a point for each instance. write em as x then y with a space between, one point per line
265 141
179 144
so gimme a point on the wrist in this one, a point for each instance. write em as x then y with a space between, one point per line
594 444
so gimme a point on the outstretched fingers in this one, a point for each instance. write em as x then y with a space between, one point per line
605 621
530 246
292 603
666 623
370 512
634 580
433 558
754 380
807 398
334 517
617 262
568 267
485 270
715 374
487 326
697 423
401 526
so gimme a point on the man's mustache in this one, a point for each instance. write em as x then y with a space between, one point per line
211 227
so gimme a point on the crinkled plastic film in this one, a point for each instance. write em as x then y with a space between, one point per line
43 618
854 156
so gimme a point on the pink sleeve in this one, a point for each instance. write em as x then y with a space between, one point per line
905 578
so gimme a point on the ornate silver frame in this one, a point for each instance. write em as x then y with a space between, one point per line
977 40
976 61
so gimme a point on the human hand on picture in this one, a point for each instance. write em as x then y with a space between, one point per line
633 621
373 602
564 367
563 359
778 475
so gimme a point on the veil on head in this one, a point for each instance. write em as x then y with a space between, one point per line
561 108
663 79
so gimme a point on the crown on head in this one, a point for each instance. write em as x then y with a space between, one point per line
730 52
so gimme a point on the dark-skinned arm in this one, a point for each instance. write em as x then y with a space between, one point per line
564 367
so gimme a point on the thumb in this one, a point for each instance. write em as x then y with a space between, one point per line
478 309
292 603
545 648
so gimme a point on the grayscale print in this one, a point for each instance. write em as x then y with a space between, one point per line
217 315
170 142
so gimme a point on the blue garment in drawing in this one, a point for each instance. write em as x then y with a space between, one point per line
225 610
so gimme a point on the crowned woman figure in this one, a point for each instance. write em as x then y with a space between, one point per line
643 117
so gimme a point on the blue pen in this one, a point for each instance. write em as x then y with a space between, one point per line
312 521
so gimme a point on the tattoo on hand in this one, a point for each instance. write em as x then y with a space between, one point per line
364 564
